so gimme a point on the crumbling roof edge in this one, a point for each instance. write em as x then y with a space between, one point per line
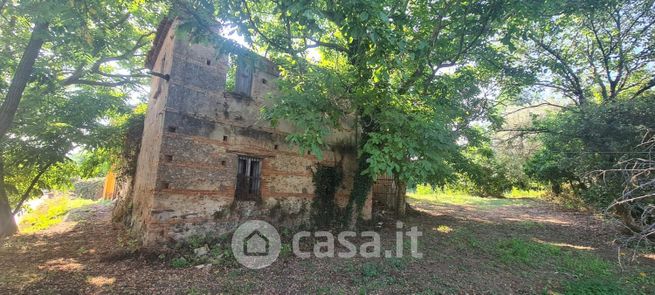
160 37
164 27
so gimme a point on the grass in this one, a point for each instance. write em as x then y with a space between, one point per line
449 196
581 272
51 212
516 193
533 253
588 273
462 198
460 255
520 251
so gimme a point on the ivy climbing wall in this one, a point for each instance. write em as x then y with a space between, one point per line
195 132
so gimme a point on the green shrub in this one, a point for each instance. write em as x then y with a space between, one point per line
180 262
578 143
424 189
197 241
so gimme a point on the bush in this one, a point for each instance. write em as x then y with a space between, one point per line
424 189
579 142
180 262
483 175
89 188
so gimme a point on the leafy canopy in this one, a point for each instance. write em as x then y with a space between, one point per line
404 73
86 72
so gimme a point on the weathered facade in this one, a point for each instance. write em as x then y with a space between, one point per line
207 160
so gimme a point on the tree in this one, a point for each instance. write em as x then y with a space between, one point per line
405 72
598 59
591 138
603 52
77 61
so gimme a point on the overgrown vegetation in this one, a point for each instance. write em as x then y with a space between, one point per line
377 74
213 251
325 212
596 66
68 68
459 197
430 87
51 212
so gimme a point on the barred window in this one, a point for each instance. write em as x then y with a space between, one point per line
248 178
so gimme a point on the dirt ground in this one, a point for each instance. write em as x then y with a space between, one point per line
517 247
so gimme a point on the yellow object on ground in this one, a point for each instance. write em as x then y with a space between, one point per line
110 186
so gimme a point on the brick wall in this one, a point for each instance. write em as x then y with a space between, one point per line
194 133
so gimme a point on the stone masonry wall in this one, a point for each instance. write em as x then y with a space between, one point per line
148 160
195 131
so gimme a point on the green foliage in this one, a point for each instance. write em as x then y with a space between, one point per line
524 252
396 263
594 63
450 196
591 138
180 262
371 270
196 241
424 189
593 275
483 175
51 212
513 148
93 163
128 145
532 253
220 252
516 193
319 114
89 64
383 68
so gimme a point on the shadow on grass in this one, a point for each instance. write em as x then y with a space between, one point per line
530 256
462 254
61 259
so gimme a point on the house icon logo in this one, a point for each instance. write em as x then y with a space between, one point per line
256 244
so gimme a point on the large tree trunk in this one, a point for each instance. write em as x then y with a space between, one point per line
401 202
362 183
8 112
7 222
361 186
21 77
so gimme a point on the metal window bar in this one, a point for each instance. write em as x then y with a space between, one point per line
248 179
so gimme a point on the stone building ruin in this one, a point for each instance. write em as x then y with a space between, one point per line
208 161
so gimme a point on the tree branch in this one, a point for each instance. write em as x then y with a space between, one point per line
102 83
570 75
81 71
29 189
535 106
648 85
